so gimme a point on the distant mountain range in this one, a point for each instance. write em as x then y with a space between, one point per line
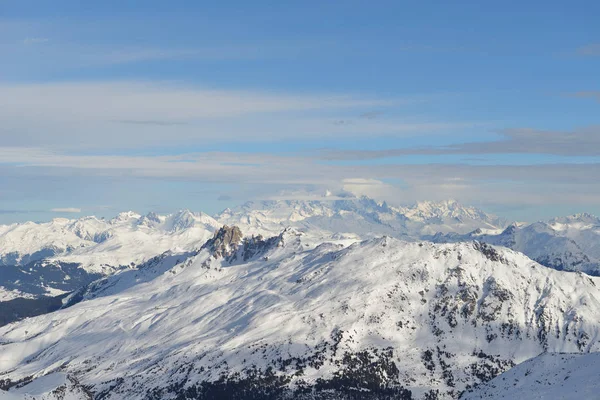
63 255
567 243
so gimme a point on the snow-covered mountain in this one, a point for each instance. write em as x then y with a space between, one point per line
94 243
361 216
63 255
556 376
382 318
570 243
56 386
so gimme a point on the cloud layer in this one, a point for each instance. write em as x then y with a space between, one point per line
581 142
122 114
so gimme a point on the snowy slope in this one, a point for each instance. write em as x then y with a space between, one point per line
383 317
56 386
94 243
570 243
548 376
63 255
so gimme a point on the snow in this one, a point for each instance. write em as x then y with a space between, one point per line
548 376
570 243
54 386
455 313
6 294
102 246
362 216
463 302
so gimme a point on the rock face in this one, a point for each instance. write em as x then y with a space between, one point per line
272 318
225 242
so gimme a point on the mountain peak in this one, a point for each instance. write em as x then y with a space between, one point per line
125 216
224 242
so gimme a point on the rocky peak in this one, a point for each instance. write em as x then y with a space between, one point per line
228 243
224 242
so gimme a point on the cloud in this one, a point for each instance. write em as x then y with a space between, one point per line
581 142
66 210
267 173
589 50
588 94
125 114
35 40
371 114
149 122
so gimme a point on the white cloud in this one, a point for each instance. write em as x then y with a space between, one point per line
590 50
35 40
66 210
110 101
264 176
138 114
579 142
128 115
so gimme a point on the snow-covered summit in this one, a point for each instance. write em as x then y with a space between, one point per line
359 215
382 316
93 242
569 243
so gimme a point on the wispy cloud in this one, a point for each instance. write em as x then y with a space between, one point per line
589 50
149 122
35 40
88 115
581 142
588 94
106 56
576 183
69 210
371 114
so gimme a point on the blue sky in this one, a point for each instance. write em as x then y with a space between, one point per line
107 106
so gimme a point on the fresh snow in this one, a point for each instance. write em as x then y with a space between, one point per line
54 386
95 243
549 376
570 243
448 316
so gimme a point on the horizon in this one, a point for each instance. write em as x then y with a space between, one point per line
114 106
76 214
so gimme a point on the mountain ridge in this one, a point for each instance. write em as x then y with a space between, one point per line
306 320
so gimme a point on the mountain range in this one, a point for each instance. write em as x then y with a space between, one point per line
279 318
339 299
53 258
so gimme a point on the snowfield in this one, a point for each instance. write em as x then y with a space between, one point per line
548 376
279 317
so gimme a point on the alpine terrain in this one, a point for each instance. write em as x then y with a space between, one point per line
251 317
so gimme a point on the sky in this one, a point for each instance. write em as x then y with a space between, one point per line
159 106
